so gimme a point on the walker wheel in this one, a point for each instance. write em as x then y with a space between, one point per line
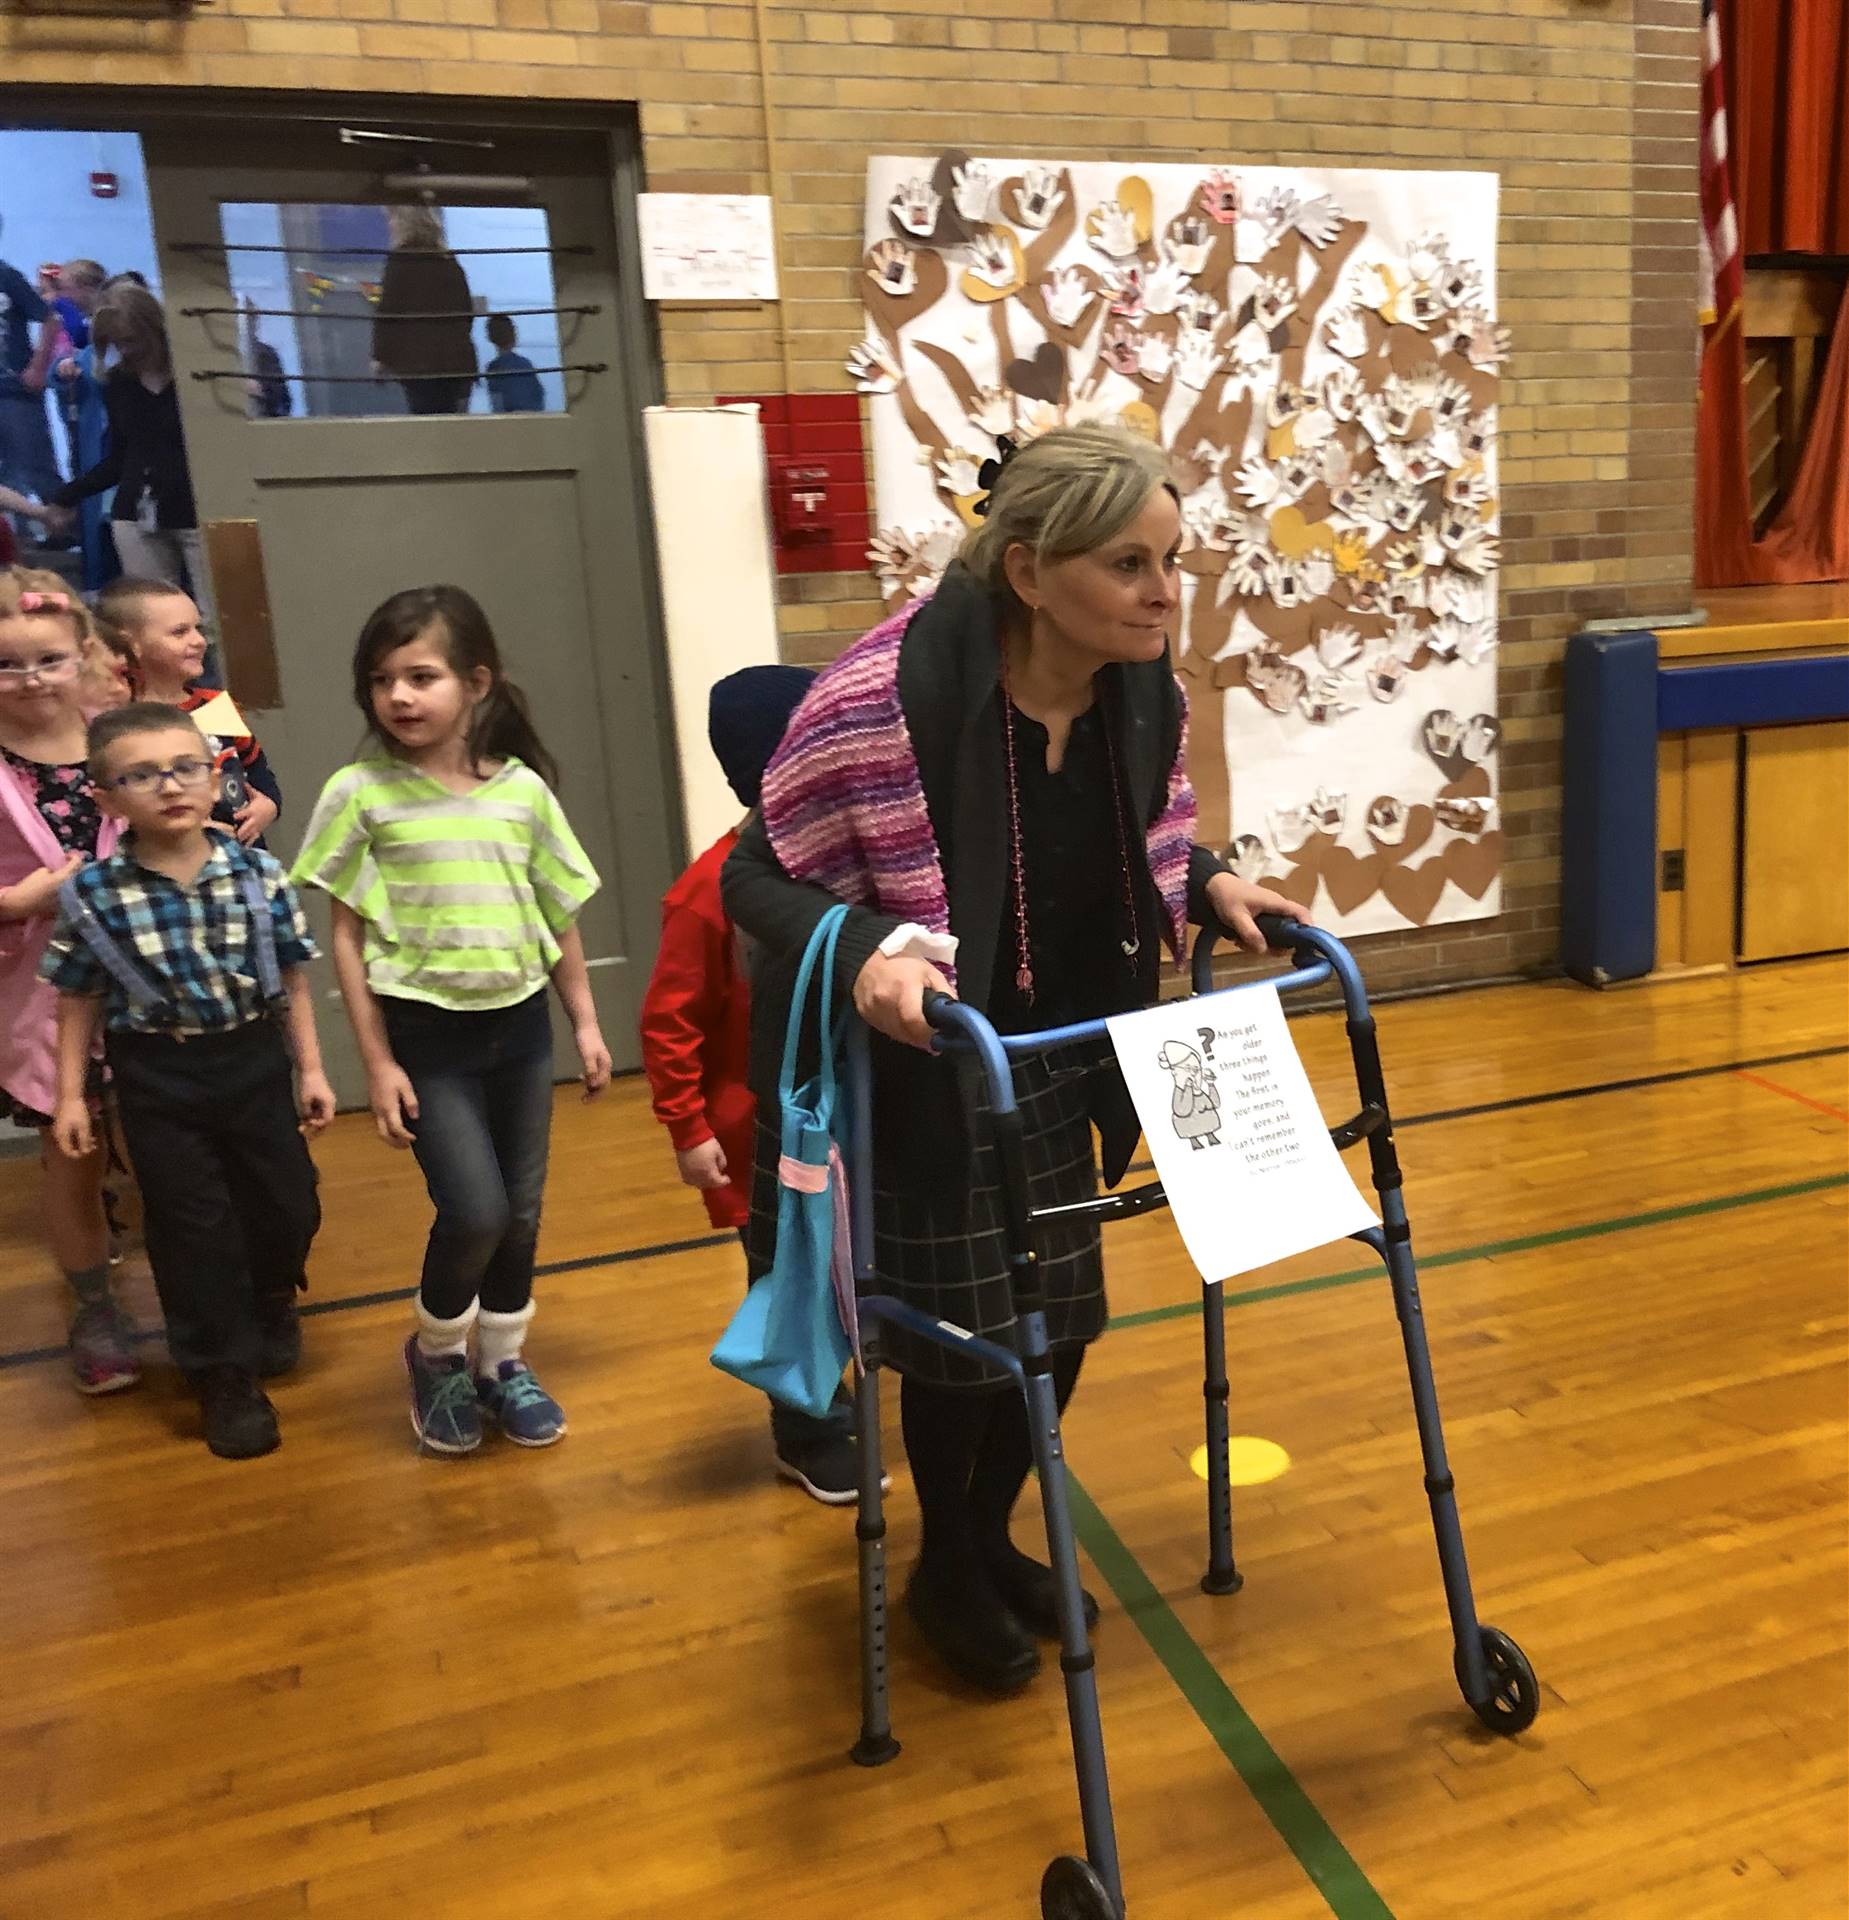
1515 1696
1071 1890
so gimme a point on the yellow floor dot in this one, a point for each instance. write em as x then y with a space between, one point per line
1250 1462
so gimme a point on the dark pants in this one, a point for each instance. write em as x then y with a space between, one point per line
484 1122
227 1187
438 396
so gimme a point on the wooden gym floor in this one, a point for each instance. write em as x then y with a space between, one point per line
618 1678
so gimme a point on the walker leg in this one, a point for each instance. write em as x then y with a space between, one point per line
876 1745
1076 1660
1440 1487
1221 1575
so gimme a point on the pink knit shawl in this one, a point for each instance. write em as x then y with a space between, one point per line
844 807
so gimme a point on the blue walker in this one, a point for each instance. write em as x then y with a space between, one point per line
1493 1673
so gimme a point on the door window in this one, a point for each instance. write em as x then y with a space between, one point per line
351 310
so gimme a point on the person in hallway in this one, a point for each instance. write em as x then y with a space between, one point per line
28 460
695 1029
153 517
50 825
154 629
513 386
80 388
186 952
1011 818
457 881
423 328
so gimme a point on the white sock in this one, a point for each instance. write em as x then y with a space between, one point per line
498 1337
438 1338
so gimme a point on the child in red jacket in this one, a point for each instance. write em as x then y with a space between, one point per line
695 1035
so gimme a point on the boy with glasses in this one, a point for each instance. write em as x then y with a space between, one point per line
188 950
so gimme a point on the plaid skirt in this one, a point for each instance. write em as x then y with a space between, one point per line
941 1247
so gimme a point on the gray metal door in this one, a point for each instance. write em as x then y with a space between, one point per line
274 277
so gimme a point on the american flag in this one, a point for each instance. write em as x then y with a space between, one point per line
1723 280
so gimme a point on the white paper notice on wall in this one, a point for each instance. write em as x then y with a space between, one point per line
707 246
1232 1123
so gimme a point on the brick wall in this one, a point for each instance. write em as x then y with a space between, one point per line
1587 109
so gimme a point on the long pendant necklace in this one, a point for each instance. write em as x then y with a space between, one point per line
1131 945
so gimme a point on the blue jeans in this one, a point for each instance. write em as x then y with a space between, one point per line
28 463
484 1122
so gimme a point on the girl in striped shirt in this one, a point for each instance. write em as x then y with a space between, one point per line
456 883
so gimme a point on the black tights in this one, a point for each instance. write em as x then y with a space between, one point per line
970 1455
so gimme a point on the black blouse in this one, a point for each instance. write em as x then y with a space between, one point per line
1072 857
146 456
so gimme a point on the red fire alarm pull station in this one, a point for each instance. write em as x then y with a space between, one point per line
800 503
105 186
817 476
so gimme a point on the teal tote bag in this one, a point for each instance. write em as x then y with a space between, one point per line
787 1338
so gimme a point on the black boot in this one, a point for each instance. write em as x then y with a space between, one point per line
967 1626
1027 1586
240 1423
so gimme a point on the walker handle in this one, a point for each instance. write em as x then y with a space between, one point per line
935 1004
1282 935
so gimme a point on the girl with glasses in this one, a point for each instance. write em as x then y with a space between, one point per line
50 824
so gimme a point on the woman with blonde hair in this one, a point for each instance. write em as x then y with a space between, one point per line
995 780
423 327
153 518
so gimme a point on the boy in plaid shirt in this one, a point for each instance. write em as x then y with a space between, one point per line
181 946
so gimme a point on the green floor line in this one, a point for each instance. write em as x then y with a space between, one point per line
1329 1864
1526 1243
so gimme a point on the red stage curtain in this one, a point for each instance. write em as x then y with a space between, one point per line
1787 74
1787 64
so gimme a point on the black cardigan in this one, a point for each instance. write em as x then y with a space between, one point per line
146 453
949 691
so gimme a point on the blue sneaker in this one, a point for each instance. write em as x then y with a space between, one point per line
520 1406
444 1413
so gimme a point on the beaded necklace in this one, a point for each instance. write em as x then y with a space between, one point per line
1023 939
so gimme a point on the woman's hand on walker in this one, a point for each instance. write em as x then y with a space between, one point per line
393 1101
889 996
1236 901
594 1057
702 1166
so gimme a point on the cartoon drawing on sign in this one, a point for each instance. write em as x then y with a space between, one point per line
1196 1102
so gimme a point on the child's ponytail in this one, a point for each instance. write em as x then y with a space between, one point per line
503 726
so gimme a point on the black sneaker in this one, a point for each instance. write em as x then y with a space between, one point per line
240 1423
279 1335
827 1468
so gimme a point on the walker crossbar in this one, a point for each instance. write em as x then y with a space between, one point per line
1492 1672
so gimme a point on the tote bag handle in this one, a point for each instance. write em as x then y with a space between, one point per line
823 942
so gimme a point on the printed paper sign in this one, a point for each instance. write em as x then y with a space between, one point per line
1235 1131
707 246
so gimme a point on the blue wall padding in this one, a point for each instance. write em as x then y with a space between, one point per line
1608 808
1752 693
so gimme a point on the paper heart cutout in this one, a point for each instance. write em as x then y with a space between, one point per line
1474 864
1473 783
1420 825
1043 377
1350 877
1299 884
1413 892
1294 534
1456 746
952 230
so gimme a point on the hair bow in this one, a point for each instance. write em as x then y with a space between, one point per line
991 471
44 602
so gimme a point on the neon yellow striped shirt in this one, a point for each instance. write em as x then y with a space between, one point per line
464 895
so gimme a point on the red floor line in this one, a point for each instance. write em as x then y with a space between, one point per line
1791 1093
